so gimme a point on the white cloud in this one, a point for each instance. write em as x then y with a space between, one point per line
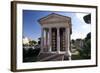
81 29
86 26
25 40
78 34
80 17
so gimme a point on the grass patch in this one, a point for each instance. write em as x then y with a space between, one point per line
76 57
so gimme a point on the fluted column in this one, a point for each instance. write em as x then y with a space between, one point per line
58 40
50 40
68 43
46 39
42 39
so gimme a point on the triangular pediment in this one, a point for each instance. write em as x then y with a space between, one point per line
53 18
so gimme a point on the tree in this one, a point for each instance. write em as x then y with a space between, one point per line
88 36
39 42
86 51
32 42
87 18
73 41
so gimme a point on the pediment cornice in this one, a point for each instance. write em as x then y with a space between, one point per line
54 18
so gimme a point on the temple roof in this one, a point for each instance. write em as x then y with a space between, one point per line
53 18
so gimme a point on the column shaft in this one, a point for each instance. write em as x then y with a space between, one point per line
58 40
68 42
42 39
46 40
50 40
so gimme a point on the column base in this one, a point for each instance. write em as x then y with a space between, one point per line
68 54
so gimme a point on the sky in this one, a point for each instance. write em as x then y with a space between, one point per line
32 28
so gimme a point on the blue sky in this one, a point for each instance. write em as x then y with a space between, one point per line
32 28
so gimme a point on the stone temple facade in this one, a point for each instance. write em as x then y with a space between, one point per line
56 30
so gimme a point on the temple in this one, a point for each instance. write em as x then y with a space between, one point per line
56 30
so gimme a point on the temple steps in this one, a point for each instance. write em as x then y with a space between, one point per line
50 57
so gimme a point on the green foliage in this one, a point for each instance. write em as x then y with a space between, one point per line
32 42
86 50
73 41
88 36
76 57
25 44
39 42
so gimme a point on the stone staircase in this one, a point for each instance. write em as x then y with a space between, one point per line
50 57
